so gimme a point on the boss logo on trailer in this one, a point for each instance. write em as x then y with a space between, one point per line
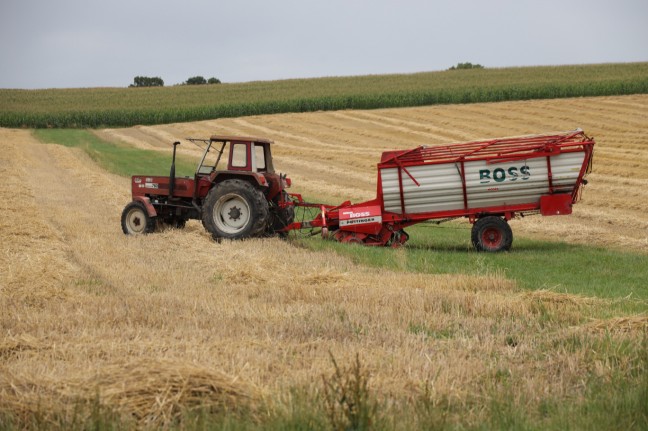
351 214
500 175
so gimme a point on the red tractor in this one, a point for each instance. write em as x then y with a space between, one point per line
248 199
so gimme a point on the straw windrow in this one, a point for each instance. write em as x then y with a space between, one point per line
148 391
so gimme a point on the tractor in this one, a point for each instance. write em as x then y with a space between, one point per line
245 200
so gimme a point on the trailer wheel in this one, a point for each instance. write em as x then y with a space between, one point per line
135 219
234 209
491 234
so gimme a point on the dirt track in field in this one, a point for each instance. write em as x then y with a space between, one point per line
332 155
80 299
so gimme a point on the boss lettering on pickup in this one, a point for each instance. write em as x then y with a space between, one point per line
351 214
500 175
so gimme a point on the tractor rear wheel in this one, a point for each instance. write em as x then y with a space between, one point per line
234 209
492 234
135 219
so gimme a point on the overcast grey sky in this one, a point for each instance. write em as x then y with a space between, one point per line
87 43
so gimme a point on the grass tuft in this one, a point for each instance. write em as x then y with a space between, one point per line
348 402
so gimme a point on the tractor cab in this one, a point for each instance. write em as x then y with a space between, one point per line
252 155
247 158
241 153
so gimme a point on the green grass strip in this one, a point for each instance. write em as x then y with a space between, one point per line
119 159
557 266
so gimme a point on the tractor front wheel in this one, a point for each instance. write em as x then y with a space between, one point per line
135 219
234 209
492 234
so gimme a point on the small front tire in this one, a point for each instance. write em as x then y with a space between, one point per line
135 219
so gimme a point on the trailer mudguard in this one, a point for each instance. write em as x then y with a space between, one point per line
560 204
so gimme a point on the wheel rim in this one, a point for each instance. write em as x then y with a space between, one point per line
231 213
491 237
136 221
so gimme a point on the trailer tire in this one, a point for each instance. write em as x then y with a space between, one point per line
234 209
135 219
492 234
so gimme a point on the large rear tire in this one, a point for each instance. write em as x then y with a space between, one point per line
492 234
234 209
135 219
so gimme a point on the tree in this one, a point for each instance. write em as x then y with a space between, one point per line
145 81
196 80
213 81
466 66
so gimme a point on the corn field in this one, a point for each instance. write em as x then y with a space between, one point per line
121 107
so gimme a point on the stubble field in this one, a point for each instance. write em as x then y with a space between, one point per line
151 325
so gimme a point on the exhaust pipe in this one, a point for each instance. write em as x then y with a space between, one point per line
172 173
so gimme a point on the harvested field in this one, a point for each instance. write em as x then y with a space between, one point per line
175 316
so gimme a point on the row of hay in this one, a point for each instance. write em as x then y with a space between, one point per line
147 391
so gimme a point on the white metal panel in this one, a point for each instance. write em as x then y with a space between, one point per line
439 189
487 185
390 189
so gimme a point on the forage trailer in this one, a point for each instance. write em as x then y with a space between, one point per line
489 182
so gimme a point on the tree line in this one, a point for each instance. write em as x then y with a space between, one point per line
466 65
146 81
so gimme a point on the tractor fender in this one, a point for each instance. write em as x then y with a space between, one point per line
256 179
150 209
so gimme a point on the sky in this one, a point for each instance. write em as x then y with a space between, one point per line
88 43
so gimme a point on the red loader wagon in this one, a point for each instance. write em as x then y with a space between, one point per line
489 182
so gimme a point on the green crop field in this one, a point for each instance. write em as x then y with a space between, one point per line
121 107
